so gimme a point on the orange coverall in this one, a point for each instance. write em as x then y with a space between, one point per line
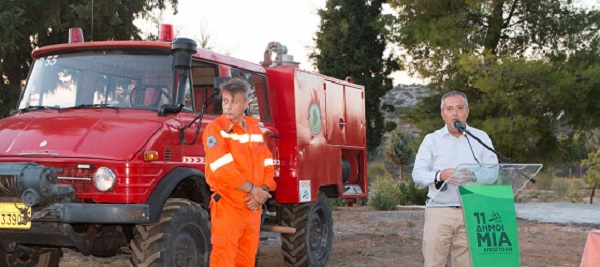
234 156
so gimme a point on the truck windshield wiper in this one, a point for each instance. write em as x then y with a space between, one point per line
30 108
103 105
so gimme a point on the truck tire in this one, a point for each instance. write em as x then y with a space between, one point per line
311 244
180 238
29 257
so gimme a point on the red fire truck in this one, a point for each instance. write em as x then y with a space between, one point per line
103 154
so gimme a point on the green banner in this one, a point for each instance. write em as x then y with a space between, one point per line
491 223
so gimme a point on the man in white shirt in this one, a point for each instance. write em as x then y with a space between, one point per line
438 156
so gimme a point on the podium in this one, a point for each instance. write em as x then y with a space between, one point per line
590 256
486 192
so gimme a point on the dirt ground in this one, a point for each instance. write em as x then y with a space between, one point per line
366 237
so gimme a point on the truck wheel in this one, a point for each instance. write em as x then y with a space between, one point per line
180 238
28 257
311 244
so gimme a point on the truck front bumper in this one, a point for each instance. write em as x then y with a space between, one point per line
98 213
57 229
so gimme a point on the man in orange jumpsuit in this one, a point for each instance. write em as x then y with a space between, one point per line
239 171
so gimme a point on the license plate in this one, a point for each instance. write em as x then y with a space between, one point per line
10 216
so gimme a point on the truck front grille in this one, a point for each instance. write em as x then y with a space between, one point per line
80 186
79 179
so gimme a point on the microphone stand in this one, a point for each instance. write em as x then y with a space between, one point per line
465 132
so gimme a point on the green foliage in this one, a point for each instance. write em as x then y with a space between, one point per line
560 186
543 181
385 196
575 194
572 148
388 108
387 193
343 202
377 171
590 139
592 176
514 106
535 194
411 194
398 148
9 95
529 68
390 126
27 25
351 41
337 202
541 196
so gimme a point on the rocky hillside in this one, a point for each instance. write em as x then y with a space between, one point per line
403 98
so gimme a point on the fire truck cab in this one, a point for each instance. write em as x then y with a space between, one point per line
103 155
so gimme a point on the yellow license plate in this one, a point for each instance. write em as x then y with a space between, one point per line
10 216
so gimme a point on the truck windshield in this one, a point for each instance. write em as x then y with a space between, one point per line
100 79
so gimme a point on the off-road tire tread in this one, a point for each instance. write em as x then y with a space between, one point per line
151 241
294 247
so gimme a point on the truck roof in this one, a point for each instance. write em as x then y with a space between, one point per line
200 53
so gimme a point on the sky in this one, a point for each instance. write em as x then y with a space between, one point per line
243 28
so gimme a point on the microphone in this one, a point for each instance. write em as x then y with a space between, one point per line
460 127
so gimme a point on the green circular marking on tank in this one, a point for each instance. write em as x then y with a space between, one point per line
314 118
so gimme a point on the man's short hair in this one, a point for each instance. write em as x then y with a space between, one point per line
236 86
453 93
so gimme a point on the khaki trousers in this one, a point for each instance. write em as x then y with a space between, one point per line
444 233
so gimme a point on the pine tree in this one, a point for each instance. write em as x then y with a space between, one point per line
529 68
351 41
398 149
27 25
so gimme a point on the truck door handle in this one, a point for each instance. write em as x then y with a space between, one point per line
342 122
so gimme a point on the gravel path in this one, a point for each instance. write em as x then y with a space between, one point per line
563 213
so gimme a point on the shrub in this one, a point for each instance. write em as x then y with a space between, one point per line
411 194
560 187
377 171
337 202
575 194
385 196
543 181
390 126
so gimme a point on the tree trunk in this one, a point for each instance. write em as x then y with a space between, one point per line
592 194
495 26
401 176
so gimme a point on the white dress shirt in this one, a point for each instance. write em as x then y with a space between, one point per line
441 150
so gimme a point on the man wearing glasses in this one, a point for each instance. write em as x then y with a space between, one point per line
438 156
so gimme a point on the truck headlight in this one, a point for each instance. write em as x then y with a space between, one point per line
104 179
